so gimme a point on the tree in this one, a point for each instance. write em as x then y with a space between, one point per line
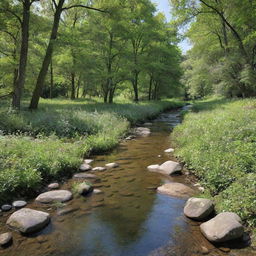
59 8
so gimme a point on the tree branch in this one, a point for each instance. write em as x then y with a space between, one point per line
54 3
11 12
83 6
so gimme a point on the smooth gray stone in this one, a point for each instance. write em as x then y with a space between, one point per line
27 220
54 196
224 227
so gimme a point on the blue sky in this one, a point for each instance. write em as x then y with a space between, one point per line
164 7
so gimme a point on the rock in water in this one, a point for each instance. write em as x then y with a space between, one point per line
85 167
225 226
99 169
84 188
198 208
170 167
54 185
85 176
54 196
142 131
169 150
153 167
112 165
19 204
5 238
97 191
27 220
175 189
88 161
6 207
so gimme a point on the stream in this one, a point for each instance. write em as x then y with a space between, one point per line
130 218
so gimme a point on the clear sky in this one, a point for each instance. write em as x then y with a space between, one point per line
164 7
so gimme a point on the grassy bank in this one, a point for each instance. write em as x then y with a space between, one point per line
217 140
48 144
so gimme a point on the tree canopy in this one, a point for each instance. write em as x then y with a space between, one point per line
222 59
77 48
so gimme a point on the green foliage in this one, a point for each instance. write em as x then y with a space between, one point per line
50 143
217 142
222 59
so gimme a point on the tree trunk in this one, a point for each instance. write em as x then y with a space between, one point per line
51 86
150 88
47 59
135 86
73 87
111 94
155 91
19 83
78 87
105 96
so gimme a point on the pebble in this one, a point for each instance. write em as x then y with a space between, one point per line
19 204
85 168
99 169
5 238
88 161
111 165
6 207
54 185
204 250
97 191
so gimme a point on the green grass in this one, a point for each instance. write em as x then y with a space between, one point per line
48 144
217 140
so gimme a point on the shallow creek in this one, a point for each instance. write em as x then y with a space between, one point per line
129 218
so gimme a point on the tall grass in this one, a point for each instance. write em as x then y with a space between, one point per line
39 146
218 142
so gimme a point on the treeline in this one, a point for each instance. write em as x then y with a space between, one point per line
223 57
83 48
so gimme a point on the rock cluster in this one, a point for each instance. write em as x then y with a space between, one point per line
224 227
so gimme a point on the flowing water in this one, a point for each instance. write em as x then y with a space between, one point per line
130 218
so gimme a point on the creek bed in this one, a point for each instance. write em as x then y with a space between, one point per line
129 218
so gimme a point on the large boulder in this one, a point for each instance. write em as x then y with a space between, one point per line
170 167
27 220
198 208
54 196
224 227
176 190
142 131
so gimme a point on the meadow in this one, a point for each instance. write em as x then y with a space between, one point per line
217 141
37 147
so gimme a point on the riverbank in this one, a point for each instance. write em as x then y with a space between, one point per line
49 144
217 142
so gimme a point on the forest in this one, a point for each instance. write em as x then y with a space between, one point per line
73 50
